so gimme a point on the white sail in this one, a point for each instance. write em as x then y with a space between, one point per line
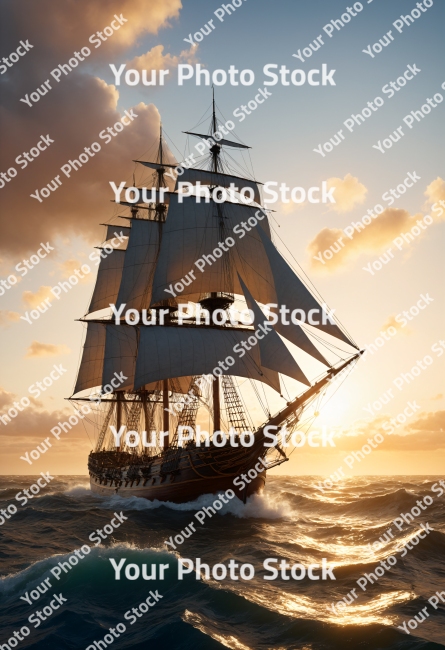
115 231
292 293
139 264
274 354
91 365
167 352
169 180
120 356
192 230
108 280
292 332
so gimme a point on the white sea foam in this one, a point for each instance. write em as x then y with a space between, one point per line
257 506
78 490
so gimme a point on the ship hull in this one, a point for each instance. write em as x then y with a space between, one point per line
177 475
183 491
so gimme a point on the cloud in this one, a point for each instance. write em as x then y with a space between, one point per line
66 27
8 317
32 300
73 114
375 238
435 192
288 208
391 322
434 422
424 434
348 193
34 423
37 349
154 59
6 398
7 401
437 397
69 266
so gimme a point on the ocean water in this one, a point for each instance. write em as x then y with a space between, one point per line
292 520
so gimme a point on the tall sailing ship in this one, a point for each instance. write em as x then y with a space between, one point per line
146 376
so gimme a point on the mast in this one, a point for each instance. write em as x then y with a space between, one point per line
118 414
160 182
165 411
216 406
215 150
146 417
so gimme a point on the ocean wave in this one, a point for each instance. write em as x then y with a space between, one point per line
36 572
257 506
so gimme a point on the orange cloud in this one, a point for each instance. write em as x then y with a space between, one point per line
31 299
435 192
424 434
375 238
8 317
32 422
288 208
37 349
391 322
57 25
154 59
7 400
437 397
348 193
430 422
69 266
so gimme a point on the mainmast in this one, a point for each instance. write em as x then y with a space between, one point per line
215 300
165 412
118 413
215 150
161 208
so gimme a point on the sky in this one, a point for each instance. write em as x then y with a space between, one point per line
283 133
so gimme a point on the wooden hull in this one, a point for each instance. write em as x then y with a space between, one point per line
183 491
178 476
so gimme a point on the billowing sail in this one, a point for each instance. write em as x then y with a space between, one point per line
193 232
116 231
292 293
293 332
167 167
91 366
218 179
166 352
91 370
274 354
139 264
120 356
108 280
